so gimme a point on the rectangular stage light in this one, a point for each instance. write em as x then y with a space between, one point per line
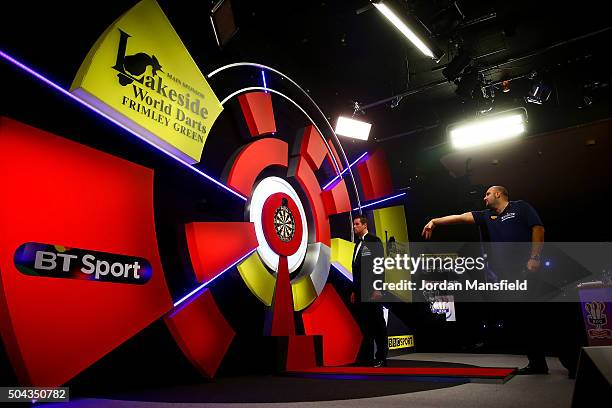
487 130
355 129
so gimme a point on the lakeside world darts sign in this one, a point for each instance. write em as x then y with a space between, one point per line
140 73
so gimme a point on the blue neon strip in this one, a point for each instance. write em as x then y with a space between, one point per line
344 171
263 75
379 201
343 272
104 115
202 286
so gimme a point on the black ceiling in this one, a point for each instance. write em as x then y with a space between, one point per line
344 51
342 56
341 51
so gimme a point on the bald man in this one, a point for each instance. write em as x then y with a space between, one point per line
510 222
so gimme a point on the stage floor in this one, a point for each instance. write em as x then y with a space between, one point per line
553 390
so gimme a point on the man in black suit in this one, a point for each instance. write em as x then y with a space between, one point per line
369 312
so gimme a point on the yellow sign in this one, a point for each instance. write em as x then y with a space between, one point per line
392 229
140 73
342 255
399 342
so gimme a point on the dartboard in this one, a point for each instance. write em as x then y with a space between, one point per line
284 223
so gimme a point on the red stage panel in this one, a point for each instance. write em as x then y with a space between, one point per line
312 147
283 323
375 176
336 200
463 372
55 191
329 317
301 353
252 159
335 154
201 332
257 110
213 246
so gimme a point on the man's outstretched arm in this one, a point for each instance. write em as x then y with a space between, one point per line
465 218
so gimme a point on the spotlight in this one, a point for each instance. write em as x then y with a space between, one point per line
409 30
592 91
502 126
353 128
505 86
539 92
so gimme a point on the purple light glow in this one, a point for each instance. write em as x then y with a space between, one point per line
52 84
380 201
343 272
205 284
344 171
263 75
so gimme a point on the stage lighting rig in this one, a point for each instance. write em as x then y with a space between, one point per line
454 68
469 83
